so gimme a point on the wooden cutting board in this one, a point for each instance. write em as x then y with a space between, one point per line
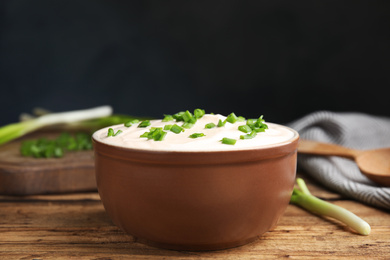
27 176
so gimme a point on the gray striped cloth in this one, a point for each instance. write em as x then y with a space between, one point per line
353 130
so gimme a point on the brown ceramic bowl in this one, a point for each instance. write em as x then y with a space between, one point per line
196 200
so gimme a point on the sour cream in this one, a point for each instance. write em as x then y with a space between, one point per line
130 136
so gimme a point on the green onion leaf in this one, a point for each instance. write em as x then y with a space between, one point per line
146 134
221 123
110 132
192 120
240 119
49 152
167 127
199 113
187 116
179 116
232 118
209 125
257 125
187 125
229 141
155 133
49 148
118 132
196 135
245 128
160 136
176 129
72 145
58 152
260 123
131 122
259 129
144 123
248 136
168 118
251 122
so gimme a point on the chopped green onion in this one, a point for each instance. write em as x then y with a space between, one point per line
245 128
110 132
179 116
131 122
49 148
118 132
303 198
248 136
260 123
259 129
232 118
199 113
260 119
187 116
72 145
49 152
240 119
167 127
58 152
209 125
156 133
144 123
176 129
257 125
168 118
83 141
251 122
146 134
25 149
221 123
229 141
161 136
192 120
187 125
63 139
196 135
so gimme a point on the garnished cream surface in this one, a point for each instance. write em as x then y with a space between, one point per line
130 136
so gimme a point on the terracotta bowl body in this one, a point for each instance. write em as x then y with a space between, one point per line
196 200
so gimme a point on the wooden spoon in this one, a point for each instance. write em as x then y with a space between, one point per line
375 164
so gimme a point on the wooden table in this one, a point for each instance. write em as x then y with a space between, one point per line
75 226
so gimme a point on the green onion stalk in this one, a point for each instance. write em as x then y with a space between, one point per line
303 198
88 119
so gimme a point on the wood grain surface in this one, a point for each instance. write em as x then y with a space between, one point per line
75 226
26 175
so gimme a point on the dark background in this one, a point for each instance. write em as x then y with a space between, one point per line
282 59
